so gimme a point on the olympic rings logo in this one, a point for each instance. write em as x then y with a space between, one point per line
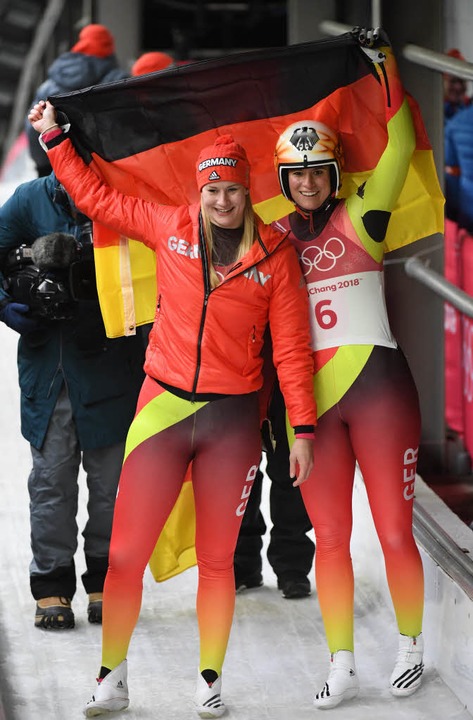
324 258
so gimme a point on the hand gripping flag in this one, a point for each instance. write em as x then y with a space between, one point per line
144 134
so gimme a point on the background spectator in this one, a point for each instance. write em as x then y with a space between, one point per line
151 62
91 61
454 90
290 550
459 169
78 391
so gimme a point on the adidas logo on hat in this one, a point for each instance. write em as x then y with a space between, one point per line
225 161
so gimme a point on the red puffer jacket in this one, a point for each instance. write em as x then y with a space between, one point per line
208 341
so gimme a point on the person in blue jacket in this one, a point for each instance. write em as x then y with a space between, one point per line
459 169
91 61
78 391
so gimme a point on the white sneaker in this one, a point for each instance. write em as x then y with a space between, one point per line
342 682
207 700
111 693
407 674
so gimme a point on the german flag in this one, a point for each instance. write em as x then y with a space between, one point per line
143 136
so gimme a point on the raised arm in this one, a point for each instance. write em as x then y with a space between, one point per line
370 208
127 215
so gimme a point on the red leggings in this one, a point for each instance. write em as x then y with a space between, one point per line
377 424
221 439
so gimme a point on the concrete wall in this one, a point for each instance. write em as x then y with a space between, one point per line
458 26
124 21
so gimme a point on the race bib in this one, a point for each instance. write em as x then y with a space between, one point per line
349 310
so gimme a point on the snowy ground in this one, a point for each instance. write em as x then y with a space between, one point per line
277 657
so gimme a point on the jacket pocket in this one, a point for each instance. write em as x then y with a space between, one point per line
252 351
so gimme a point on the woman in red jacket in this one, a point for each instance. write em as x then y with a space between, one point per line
222 276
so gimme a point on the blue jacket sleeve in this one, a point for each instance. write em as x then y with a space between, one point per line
452 172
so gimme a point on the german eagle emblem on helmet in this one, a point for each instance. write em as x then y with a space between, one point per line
304 138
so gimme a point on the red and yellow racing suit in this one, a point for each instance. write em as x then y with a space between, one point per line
367 403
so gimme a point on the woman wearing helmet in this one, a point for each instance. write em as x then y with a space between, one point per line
368 410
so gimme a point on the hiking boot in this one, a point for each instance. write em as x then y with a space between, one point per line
54 613
293 588
248 582
94 608
342 682
111 693
207 700
407 674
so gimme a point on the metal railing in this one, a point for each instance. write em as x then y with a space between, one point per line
414 53
57 26
438 61
25 90
440 286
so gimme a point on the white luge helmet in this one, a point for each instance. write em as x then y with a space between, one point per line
305 144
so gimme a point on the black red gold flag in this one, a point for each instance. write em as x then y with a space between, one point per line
143 135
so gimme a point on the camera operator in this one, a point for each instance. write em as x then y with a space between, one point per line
78 391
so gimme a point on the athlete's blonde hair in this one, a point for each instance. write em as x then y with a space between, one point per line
247 239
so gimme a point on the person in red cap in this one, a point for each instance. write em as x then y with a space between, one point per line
96 40
90 61
223 278
455 95
151 62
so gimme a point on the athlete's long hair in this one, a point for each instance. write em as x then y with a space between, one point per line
247 238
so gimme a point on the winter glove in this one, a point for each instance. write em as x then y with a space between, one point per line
371 37
371 41
13 314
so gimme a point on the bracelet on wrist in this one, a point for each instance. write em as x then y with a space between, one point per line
50 128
